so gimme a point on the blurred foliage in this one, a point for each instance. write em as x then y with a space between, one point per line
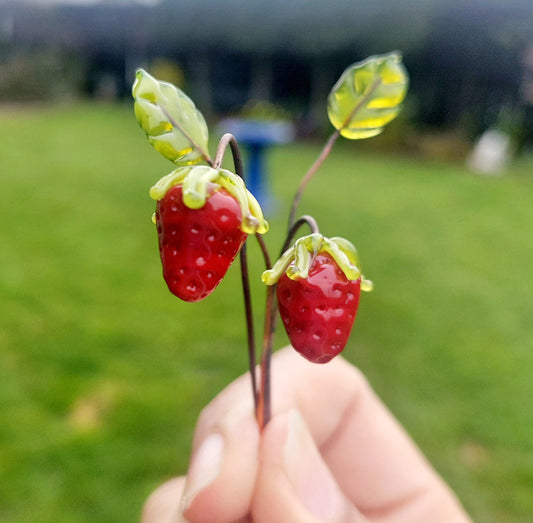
264 110
40 74
167 70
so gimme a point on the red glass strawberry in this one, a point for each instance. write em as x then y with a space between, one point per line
203 216
318 287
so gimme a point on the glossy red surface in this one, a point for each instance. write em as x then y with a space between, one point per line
197 246
318 312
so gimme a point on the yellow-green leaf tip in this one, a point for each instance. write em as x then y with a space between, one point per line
173 125
368 95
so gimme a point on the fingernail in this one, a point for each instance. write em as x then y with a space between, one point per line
204 468
309 475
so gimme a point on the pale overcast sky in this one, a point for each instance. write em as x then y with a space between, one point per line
92 2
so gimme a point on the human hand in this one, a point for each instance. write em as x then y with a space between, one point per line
331 453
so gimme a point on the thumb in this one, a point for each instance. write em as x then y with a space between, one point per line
294 484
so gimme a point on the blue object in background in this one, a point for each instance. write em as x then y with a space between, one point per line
257 136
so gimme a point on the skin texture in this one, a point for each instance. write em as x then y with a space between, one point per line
331 453
197 246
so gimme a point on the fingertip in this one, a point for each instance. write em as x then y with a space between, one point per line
322 393
162 506
294 483
223 468
273 498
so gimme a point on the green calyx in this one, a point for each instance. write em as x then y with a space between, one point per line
197 183
296 261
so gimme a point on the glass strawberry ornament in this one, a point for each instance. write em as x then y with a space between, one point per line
203 216
318 287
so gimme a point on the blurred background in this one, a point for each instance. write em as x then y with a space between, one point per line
103 372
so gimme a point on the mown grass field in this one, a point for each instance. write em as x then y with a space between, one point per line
103 372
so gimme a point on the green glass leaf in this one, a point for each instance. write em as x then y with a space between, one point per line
368 95
173 125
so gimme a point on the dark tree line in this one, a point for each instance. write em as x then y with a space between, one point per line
466 59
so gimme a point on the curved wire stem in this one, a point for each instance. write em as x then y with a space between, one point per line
271 316
327 149
250 333
263 410
310 174
261 392
229 139
306 219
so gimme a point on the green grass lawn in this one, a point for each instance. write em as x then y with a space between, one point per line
103 371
